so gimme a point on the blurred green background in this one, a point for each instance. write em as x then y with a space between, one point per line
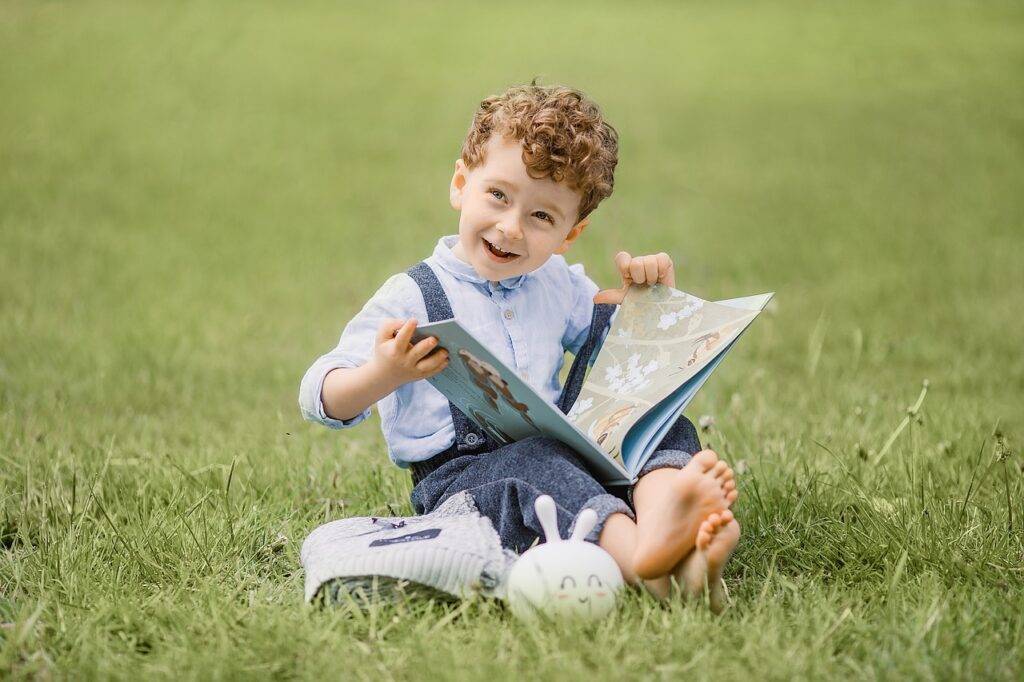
195 197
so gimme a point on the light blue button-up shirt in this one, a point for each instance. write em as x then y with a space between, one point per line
528 322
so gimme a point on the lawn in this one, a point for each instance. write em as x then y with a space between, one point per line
195 197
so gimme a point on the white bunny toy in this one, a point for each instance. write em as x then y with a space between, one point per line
563 578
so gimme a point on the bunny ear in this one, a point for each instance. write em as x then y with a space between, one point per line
585 522
548 515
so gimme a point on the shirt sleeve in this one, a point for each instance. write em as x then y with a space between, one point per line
355 347
582 312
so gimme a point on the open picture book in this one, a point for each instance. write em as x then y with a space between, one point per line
662 346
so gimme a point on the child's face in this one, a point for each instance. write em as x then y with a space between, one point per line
503 207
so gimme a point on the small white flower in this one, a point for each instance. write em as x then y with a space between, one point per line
612 373
692 306
635 376
667 320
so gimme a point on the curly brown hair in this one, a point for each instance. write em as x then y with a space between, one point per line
563 134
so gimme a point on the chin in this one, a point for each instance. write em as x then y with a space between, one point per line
495 275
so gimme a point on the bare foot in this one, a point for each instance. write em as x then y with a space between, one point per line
659 588
671 504
702 570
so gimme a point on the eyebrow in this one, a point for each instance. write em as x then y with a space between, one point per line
501 181
551 208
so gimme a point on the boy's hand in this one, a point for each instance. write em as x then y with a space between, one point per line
656 269
401 361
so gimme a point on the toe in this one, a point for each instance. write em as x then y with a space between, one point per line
731 496
705 459
729 486
704 535
719 468
725 517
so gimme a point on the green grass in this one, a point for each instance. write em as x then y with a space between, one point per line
195 197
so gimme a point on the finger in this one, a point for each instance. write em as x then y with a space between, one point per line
636 270
666 270
433 363
404 334
613 296
651 269
622 260
420 350
387 329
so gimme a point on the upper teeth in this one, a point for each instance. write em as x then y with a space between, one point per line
500 252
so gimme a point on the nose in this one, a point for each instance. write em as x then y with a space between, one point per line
510 228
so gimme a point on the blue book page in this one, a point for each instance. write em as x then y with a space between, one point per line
502 404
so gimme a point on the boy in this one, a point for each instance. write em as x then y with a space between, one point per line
535 163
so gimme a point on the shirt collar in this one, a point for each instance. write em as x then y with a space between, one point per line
464 271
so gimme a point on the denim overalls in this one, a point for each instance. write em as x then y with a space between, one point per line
504 481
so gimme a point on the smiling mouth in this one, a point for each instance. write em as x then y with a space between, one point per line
497 254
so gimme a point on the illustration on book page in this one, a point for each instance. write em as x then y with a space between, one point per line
660 338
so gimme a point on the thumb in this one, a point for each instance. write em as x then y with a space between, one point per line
614 296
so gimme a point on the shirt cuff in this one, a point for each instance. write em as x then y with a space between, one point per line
313 408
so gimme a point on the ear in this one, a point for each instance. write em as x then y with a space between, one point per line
574 233
548 515
585 523
459 179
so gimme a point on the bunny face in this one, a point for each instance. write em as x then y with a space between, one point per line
571 578
564 577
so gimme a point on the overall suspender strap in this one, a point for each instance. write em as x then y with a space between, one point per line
574 382
468 437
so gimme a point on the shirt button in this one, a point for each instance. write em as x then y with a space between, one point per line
509 314
472 439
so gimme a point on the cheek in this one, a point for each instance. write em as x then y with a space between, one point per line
541 244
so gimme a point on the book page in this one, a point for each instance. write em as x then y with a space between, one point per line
660 339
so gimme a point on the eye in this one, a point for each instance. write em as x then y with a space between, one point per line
544 216
567 582
497 194
594 581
